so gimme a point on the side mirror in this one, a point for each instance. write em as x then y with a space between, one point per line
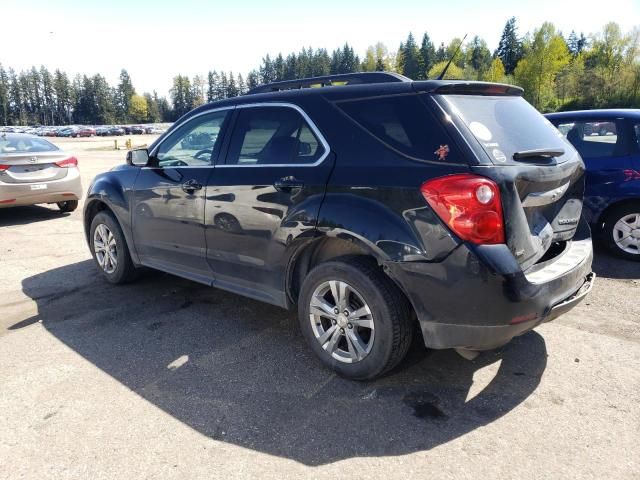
138 158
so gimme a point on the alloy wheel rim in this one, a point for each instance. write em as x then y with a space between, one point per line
342 321
105 248
626 233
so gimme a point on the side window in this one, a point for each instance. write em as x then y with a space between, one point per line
402 122
594 139
193 144
272 136
636 127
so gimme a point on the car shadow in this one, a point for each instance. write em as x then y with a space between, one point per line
606 265
238 371
23 215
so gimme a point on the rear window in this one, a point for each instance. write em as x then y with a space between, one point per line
404 123
22 144
504 125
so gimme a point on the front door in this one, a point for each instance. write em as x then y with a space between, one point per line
265 199
169 198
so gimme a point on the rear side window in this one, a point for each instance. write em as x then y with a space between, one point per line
594 139
504 125
273 136
404 123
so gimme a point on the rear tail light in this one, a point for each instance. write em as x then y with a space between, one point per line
469 204
68 162
4 167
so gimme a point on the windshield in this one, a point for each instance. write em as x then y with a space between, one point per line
24 144
505 125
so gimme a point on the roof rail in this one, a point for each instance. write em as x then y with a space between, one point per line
329 80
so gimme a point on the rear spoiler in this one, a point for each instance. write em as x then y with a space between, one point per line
469 88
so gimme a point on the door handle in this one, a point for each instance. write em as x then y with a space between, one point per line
191 186
286 184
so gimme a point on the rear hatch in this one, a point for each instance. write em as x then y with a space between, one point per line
541 176
25 159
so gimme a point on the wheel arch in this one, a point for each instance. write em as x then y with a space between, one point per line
624 202
325 249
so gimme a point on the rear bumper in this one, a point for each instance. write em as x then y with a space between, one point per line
21 194
480 299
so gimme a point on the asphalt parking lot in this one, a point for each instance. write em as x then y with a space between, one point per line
168 379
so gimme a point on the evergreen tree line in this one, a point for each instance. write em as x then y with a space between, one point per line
557 73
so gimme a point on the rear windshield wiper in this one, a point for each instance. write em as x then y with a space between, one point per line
539 152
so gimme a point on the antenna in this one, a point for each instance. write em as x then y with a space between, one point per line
452 57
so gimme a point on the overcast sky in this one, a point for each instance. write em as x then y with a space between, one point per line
155 40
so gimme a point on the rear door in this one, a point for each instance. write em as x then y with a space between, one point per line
169 198
265 199
541 176
603 145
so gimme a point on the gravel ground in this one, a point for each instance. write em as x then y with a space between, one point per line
168 379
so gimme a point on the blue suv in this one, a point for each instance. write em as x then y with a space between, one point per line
609 143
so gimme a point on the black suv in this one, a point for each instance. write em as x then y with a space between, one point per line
374 206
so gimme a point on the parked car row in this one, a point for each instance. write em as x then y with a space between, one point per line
77 131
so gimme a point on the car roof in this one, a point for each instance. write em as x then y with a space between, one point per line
364 89
603 113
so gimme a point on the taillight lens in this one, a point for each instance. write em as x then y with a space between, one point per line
4 167
469 204
68 162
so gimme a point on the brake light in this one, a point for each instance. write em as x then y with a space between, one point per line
469 204
68 162
4 167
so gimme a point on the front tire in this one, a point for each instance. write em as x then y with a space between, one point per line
621 232
67 206
354 318
109 249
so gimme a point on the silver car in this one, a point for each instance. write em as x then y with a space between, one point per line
33 170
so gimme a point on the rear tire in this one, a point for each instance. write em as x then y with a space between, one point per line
621 231
109 249
67 206
355 344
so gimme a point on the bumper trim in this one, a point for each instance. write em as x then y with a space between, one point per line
567 304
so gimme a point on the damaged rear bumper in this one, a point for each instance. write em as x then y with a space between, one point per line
480 299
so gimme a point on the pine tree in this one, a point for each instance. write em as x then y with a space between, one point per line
479 56
62 91
125 92
47 97
572 43
253 79
223 86
4 97
232 88
212 86
428 54
441 54
278 68
412 63
242 86
510 47
267 70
